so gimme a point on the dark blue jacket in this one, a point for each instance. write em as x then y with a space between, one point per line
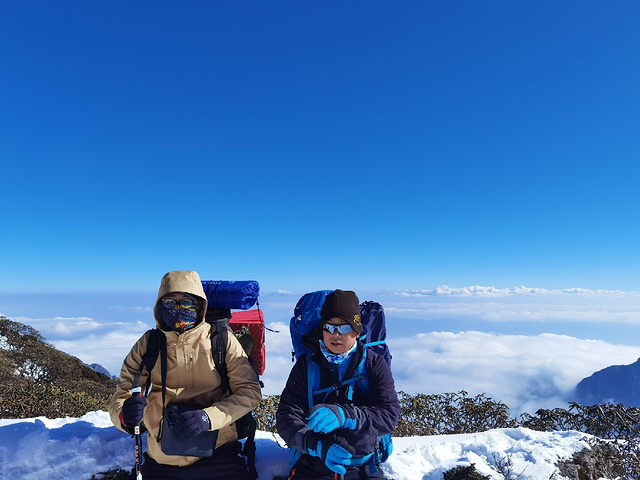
379 408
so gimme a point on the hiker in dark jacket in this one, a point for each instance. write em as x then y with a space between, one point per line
194 395
339 434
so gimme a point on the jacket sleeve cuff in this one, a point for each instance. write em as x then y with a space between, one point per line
127 428
122 421
355 417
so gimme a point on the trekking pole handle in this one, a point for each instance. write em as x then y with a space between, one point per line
135 392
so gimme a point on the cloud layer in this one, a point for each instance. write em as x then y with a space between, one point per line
525 372
526 347
482 291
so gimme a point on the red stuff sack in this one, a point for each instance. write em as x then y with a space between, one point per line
254 321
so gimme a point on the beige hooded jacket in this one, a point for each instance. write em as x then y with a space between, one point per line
191 375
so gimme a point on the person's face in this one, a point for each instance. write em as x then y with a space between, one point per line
337 342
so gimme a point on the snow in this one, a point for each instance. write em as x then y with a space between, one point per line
77 448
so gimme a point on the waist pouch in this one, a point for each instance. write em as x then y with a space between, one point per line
202 445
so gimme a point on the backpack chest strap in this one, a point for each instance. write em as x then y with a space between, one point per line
358 375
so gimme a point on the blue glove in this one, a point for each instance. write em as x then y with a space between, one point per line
332 449
133 410
325 418
187 421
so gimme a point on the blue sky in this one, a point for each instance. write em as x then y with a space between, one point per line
473 165
320 144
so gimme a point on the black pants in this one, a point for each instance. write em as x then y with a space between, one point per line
225 463
312 468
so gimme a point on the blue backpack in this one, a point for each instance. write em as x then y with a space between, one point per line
375 328
306 317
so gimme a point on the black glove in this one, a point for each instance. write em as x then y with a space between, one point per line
133 410
186 420
332 449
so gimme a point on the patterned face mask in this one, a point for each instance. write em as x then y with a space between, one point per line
179 318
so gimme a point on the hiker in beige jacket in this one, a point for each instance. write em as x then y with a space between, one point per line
192 384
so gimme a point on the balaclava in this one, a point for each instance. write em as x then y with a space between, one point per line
178 318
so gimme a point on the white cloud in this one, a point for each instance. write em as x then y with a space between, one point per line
132 309
525 372
109 350
549 308
278 362
484 291
284 292
65 326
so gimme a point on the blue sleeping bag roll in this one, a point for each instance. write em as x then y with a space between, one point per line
239 294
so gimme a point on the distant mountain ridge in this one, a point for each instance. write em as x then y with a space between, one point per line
614 384
100 369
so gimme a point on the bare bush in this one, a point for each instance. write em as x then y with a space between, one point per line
265 413
604 420
39 380
450 413
464 473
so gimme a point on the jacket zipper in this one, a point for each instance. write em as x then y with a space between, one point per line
192 371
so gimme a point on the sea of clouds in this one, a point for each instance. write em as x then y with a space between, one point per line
526 347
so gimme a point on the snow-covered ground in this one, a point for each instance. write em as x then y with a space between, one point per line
77 448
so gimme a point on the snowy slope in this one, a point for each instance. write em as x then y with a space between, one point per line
75 449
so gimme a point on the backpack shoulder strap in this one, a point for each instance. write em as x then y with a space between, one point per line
355 373
150 357
219 352
311 379
156 345
361 375
313 376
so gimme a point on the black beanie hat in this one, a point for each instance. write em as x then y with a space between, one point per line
342 304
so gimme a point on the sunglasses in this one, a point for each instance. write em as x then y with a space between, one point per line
185 303
339 329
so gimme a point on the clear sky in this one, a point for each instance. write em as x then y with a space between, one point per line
320 144
472 165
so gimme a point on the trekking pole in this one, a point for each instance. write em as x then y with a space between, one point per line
135 391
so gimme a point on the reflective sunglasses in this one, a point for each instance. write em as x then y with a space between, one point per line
185 303
339 329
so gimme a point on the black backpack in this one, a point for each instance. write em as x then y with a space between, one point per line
245 426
